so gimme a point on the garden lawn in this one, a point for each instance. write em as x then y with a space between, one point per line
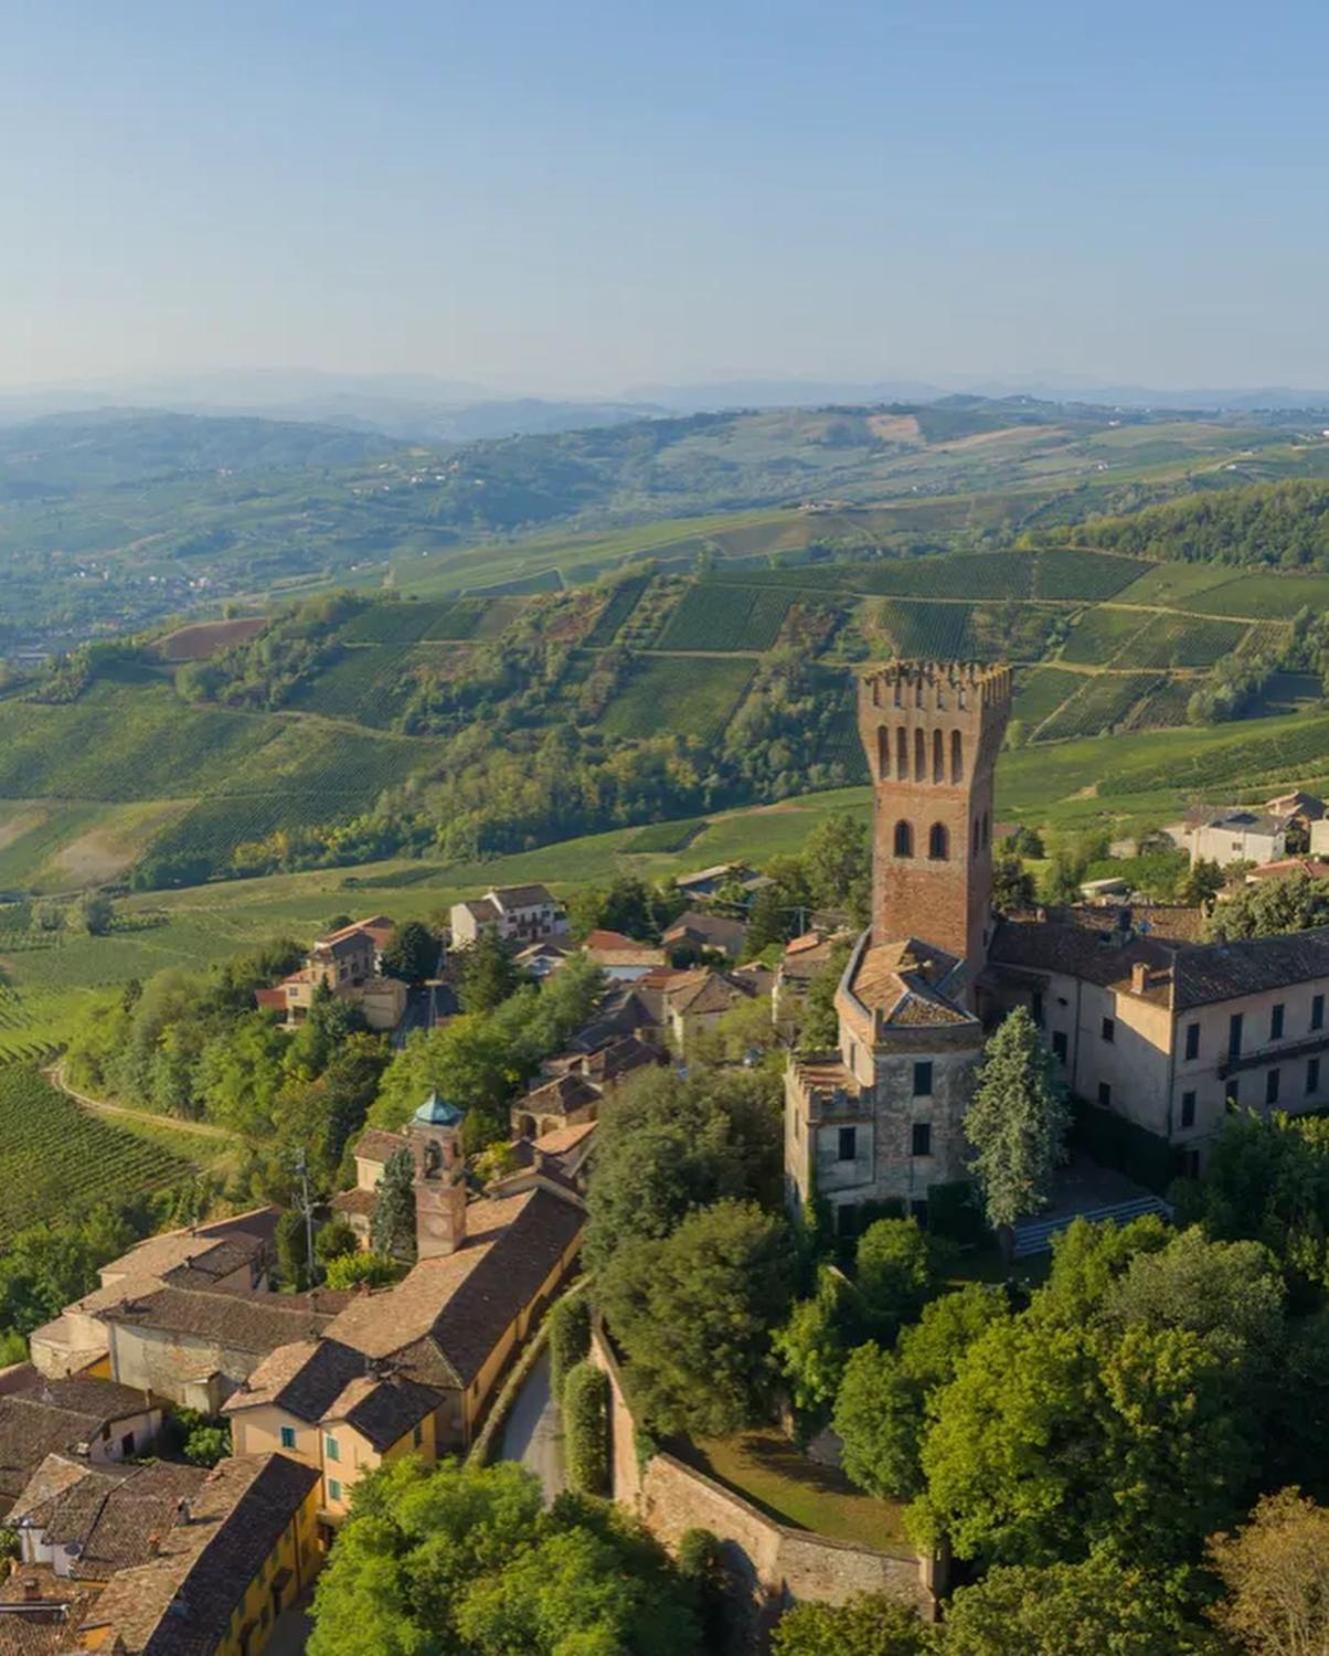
768 1470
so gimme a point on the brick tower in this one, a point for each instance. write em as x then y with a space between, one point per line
932 731
434 1136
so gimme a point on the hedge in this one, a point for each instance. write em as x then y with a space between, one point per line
569 1338
586 1429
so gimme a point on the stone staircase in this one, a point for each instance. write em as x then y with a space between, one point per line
1034 1236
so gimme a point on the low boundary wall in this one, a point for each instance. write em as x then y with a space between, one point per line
770 1565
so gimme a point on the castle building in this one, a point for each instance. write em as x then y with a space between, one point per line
881 1118
1150 1024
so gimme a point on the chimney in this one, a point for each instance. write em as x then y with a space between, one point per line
184 1513
1140 977
154 1544
32 1592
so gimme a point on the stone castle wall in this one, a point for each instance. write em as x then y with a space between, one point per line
771 1566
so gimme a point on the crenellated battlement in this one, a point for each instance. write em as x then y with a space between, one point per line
936 686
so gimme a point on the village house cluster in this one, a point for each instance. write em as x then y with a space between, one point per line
1148 1023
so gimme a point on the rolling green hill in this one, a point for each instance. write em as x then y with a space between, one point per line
113 519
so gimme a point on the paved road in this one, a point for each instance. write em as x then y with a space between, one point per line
533 1432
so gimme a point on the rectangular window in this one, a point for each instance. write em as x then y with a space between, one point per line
1109 1029
1059 1045
418 1436
331 1448
1313 1075
1276 1022
1036 1007
1271 1085
923 1079
1234 1035
334 1490
848 1143
1104 1095
1188 1109
1317 1011
922 1139
1192 1041
288 1437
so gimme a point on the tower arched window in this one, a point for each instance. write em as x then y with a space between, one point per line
920 757
883 752
904 840
939 843
957 756
902 755
938 757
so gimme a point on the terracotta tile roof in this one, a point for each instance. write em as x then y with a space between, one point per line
565 1093
1313 867
109 1511
1225 971
49 1626
378 928
30 1430
355 1202
254 1322
180 1604
712 931
905 981
303 1378
376 1145
253 1231
382 1409
620 1058
564 1138
459 1306
521 896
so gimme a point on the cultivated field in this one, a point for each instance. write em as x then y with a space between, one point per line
688 696
57 1160
715 617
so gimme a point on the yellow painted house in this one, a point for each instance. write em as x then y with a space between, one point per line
225 1561
411 1369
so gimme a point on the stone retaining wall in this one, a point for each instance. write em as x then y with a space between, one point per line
771 1565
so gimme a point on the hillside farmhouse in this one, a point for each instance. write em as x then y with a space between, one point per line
1146 1022
348 964
516 914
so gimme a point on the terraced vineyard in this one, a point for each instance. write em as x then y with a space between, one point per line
409 622
621 604
57 1159
682 694
1104 701
1100 634
716 617
1183 641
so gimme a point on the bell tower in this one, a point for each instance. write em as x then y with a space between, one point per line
932 731
434 1135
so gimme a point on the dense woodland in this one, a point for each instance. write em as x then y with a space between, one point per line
1285 525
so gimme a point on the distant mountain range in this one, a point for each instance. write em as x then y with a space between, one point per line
421 408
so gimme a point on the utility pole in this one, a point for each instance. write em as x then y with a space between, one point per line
307 1208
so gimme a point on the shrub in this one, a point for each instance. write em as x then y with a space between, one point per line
586 1429
569 1338
371 1269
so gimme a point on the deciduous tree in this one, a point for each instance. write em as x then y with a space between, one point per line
694 1315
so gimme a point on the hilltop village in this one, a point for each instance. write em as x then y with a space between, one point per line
784 1120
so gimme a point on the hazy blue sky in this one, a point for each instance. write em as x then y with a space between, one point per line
587 196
